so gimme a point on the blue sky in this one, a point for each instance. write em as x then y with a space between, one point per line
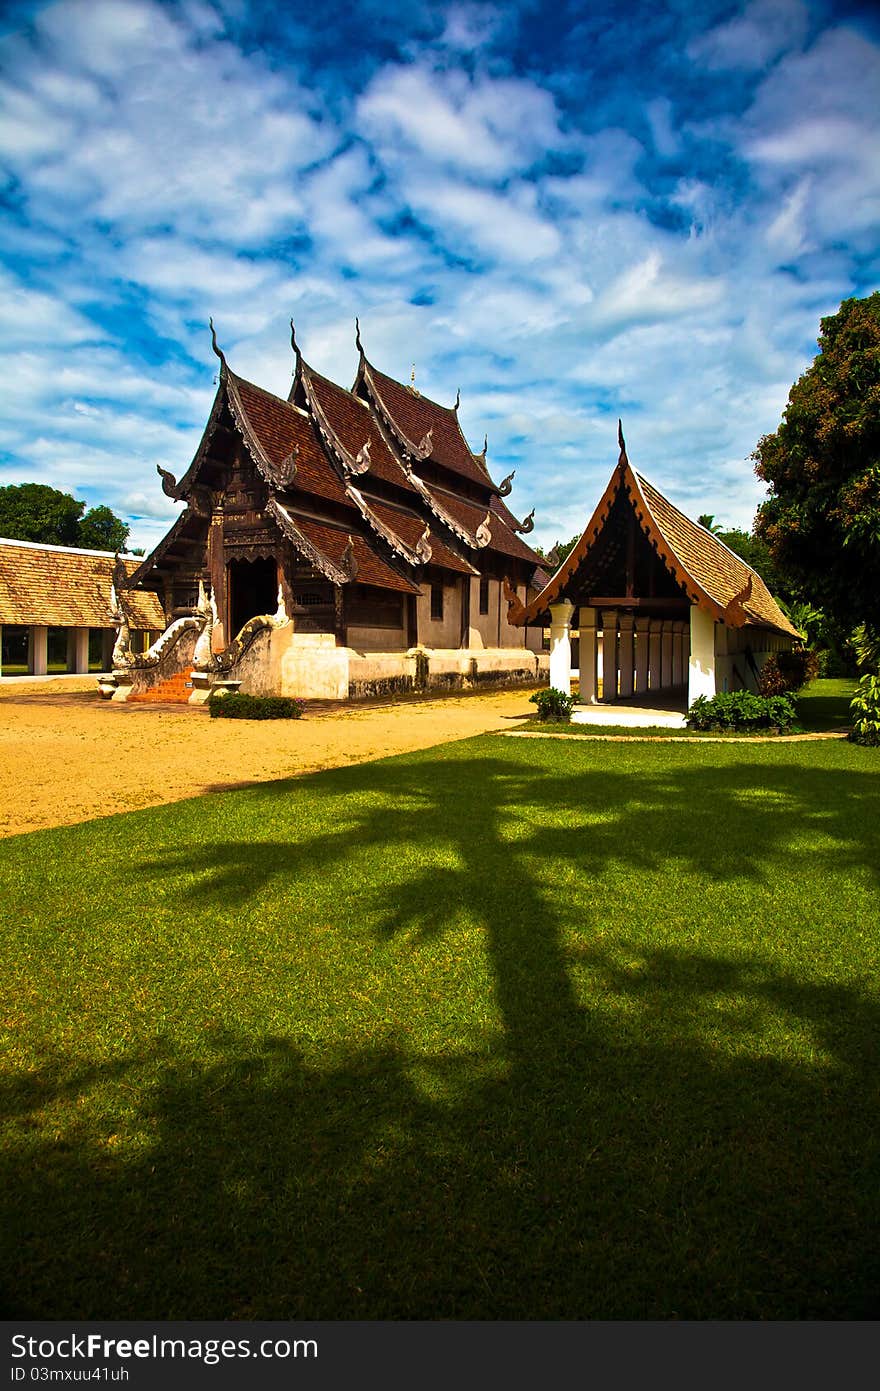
570 211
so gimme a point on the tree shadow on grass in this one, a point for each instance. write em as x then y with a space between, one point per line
625 1153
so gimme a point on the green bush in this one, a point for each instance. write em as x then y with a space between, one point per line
788 671
741 710
238 706
865 706
553 704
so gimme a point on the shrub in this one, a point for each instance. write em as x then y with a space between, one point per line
238 706
741 710
865 706
788 671
553 704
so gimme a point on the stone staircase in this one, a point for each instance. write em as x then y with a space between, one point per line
176 690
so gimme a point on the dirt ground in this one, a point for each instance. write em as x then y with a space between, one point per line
67 756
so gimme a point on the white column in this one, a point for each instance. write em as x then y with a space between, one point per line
81 650
642 629
588 656
701 665
678 657
655 645
627 627
666 672
37 649
560 646
609 655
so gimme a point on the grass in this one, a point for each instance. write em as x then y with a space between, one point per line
822 707
508 1029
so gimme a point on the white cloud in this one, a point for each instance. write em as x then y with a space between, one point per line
753 39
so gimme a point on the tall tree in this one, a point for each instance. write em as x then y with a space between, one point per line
36 512
821 521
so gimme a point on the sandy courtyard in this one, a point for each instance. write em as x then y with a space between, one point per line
67 756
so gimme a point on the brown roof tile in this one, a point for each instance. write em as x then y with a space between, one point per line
410 528
278 428
414 415
66 588
470 515
351 421
331 541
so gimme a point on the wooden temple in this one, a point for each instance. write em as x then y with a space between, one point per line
659 603
338 543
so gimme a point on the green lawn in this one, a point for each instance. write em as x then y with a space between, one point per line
507 1029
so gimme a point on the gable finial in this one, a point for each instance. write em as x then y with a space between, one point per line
457 399
294 344
623 460
357 337
214 344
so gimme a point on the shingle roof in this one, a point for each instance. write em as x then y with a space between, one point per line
332 541
470 516
277 428
350 421
66 588
411 528
721 575
415 415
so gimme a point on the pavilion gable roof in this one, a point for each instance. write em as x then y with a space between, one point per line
61 587
709 573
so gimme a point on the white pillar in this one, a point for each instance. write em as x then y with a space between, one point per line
655 645
81 650
609 655
588 655
627 627
678 656
560 646
38 649
701 666
666 672
641 635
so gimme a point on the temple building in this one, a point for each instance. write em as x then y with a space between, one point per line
659 603
335 544
58 611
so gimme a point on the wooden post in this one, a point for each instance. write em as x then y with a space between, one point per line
217 572
465 611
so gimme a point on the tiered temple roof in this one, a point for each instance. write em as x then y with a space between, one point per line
372 484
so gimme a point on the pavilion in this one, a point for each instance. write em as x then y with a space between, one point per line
665 611
57 608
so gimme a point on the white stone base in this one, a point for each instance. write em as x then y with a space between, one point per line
626 716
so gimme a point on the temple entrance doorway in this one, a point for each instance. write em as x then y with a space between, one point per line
252 586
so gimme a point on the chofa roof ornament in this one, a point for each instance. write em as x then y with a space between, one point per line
423 548
357 337
286 471
362 459
296 348
169 483
623 461
215 345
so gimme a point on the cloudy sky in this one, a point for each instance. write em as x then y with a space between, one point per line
571 211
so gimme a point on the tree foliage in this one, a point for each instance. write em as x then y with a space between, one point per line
821 521
36 512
